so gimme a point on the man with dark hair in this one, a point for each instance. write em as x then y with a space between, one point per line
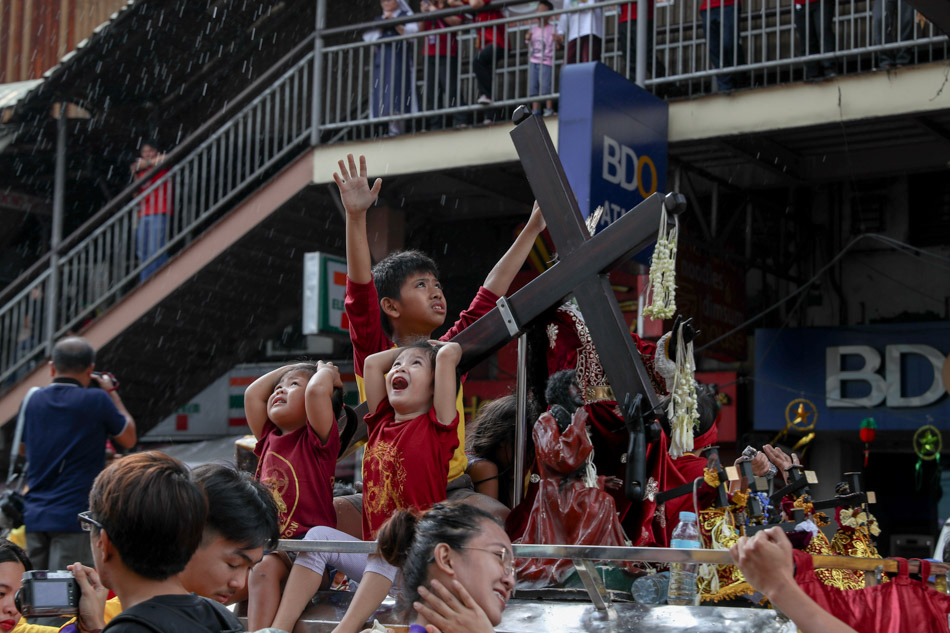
146 517
242 521
65 431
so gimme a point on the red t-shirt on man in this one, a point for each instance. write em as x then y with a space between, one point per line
405 464
299 469
159 200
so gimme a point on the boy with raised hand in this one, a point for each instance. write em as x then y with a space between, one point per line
400 299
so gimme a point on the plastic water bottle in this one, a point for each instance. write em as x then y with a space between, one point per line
651 589
682 589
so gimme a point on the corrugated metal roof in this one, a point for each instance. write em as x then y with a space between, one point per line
96 34
11 93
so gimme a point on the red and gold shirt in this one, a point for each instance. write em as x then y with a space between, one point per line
405 464
298 469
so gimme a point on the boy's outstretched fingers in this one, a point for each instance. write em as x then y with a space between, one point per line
355 192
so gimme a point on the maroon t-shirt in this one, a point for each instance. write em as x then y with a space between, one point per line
405 464
298 469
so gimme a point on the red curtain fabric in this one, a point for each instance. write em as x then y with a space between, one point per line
900 606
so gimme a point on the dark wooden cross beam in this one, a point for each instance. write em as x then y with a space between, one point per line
581 271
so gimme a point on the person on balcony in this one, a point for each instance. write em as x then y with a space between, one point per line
392 80
892 21
627 40
541 42
491 47
584 32
816 36
722 38
442 71
154 209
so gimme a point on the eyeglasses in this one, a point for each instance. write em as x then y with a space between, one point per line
87 522
503 554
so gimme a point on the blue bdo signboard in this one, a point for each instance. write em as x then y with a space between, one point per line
897 374
612 138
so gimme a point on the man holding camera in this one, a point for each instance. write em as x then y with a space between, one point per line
65 431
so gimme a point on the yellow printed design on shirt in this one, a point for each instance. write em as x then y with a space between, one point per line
384 466
279 476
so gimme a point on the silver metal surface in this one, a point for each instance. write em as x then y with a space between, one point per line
554 616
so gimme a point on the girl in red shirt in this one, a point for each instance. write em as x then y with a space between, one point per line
291 413
412 436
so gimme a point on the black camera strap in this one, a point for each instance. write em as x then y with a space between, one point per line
18 436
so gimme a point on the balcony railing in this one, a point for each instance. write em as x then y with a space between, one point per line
430 78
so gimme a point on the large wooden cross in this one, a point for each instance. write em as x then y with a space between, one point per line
581 270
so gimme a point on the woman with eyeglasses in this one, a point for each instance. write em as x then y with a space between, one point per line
457 568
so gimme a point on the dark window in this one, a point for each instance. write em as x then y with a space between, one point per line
929 209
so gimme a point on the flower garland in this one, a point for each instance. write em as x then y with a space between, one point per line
661 293
682 411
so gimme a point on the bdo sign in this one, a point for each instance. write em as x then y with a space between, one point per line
612 138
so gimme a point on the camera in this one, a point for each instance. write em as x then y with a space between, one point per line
97 375
48 593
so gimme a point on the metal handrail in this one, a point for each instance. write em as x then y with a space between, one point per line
634 554
179 152
767 32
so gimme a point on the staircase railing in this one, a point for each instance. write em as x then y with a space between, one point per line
258 133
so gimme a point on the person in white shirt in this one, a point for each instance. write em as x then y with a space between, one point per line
583 30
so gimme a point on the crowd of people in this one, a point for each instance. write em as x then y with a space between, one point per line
174 545
580 34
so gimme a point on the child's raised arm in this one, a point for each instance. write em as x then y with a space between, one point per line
319 399
446 389
510 263
357 198
374 376
255 399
